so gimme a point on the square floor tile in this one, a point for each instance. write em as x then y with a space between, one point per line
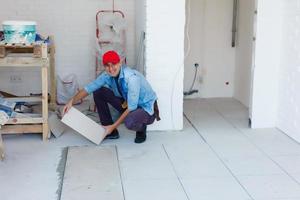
167 189
192 161
273 142
291 164
214 188
144 162
268 187
252 165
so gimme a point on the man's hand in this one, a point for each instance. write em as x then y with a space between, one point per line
109 129
80 95
67 107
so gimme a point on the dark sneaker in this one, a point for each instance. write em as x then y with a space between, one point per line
113 135
141 136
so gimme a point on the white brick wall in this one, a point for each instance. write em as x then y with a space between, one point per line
276 98
165 22
289 74
263 109
73 25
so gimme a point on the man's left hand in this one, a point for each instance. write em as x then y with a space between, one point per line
109 129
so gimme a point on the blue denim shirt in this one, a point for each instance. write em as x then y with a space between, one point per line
134 87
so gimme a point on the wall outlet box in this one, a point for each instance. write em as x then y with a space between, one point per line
15 79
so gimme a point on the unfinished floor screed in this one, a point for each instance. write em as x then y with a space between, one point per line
215 157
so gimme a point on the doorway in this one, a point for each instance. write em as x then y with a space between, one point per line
214 67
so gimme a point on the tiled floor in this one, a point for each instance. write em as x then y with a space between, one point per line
215 157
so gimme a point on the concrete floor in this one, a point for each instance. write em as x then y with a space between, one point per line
215 157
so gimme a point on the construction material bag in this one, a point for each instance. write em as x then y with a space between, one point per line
66 88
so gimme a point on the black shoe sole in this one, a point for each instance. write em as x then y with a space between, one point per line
112 137
140 140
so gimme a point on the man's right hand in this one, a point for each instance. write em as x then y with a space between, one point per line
67 107
80 95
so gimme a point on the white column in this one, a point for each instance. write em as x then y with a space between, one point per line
165 21
267 61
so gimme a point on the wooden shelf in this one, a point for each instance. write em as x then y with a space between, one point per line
21 129
23 60
27 62
24 99
39 124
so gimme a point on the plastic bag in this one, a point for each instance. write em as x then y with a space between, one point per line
3 117
66 88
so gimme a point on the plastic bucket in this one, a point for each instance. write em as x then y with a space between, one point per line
19 31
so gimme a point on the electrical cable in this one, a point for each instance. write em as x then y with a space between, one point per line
191 91
196 70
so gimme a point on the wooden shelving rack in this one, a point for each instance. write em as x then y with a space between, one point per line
29 61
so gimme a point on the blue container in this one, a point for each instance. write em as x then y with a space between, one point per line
19 31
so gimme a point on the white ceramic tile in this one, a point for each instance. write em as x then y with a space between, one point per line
252 165
240 124
268 187
290 164
296 176
84 125
279 199
268 139
148 172
192 161
144 162
188 134
196 104
219 103
218 134
214 188
163 189
232 145
229 113
210 121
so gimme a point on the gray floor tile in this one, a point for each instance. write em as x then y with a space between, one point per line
148 172
267 139
232 145
252 165
92 173
192 161
225 102
268 187
240 124
163 189
214 188
144 162
290 164
296 176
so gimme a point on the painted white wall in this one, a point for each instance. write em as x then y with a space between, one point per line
267 60
243 61
289 72
210 32
194 44
165 58
73 25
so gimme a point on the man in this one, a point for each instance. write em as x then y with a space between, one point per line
127 91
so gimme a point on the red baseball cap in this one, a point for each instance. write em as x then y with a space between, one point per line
110 57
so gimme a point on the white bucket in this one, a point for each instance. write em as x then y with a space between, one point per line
19 31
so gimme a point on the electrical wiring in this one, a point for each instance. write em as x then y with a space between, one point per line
191 90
